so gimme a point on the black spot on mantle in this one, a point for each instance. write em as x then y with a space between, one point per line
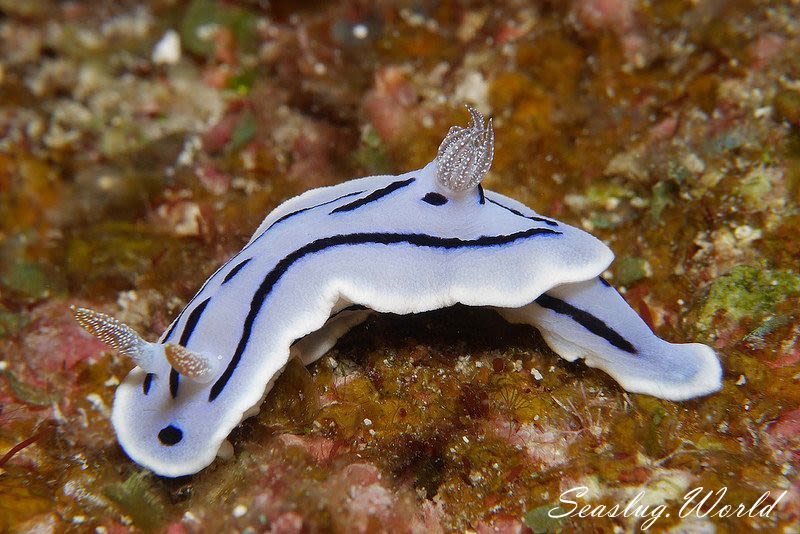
170 435
435 199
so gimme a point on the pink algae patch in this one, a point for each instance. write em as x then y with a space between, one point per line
501 525
792 357
787 428
57 342
549 447
765 48
429 518
387 106
361 474
287 523
362 499
603 14
319 448
176 528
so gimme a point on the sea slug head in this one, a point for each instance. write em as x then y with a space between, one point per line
152 427
465 155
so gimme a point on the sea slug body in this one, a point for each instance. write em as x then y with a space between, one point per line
321 262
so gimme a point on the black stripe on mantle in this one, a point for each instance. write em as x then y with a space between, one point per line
520 214
593 324
188 330
375 195
279 220
174 377
418 240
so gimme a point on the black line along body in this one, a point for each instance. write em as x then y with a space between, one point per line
419 240
233 272
520 214
238 267
593 324
186 335
147 383
375 195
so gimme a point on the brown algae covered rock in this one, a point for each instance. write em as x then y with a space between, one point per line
668 129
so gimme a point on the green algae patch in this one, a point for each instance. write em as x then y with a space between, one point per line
664 196
630 270
371 155
137 498
756 186
116 255
25 392
30 281
607 195
203 14
540 520
746 292
11 323
244 132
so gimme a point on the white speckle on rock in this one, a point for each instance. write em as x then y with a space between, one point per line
762 112
629 165
536 374
168 49
693 163
746 234
360 31
206 32
473 87
111 382
239 510
98 404
182 217
742 380
107 182
367 422
191 147
127 25
463 364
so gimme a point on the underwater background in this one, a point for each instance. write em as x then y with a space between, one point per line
141 143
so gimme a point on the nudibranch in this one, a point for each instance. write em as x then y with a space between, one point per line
321 262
